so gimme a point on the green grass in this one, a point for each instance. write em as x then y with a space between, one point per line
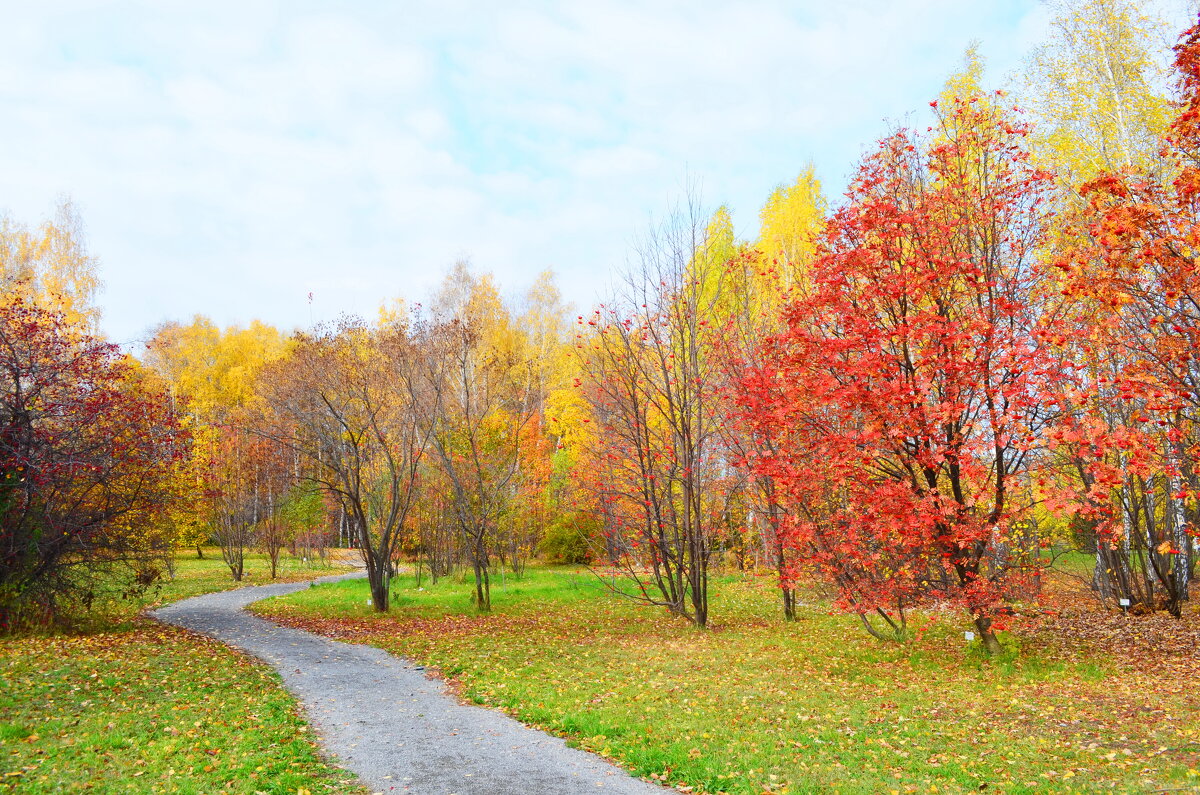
128 705
194 576
754 705
1075 564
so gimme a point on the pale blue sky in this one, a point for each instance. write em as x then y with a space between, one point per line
230 160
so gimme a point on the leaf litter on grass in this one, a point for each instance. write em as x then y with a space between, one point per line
153 708
125 704
762 706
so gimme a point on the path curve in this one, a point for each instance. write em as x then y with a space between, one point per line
383 720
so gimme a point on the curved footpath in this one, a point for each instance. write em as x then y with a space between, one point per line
383 720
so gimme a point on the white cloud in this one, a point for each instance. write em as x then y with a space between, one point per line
231 160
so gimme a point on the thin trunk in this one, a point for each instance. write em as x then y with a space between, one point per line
984 625
789 603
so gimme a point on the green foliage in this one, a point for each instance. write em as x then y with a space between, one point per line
567 536
302 508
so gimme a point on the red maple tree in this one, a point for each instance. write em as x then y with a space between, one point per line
1131 272
905 396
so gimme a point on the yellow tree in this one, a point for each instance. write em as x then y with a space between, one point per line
213 369
50 266
1097 90
540 331
543 329
210 374
789 223
571 424
484 393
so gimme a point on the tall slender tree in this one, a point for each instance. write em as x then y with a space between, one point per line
348 401
652 383
483 389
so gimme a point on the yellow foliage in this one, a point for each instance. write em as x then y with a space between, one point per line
1097 89
968 82
50 266
213 370
790 221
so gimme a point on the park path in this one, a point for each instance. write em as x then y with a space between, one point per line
381 718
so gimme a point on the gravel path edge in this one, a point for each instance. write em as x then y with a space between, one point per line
380 717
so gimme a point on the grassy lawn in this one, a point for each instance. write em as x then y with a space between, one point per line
757 706
124 704
194 576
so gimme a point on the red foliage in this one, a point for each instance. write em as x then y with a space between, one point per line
903 396
87 452
1132 274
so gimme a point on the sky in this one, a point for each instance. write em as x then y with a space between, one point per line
232 158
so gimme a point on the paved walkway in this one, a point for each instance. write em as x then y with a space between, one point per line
397 730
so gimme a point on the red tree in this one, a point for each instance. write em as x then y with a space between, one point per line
1133 270
87 456
904 395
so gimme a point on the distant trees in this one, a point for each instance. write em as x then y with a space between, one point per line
424 430
484 393
248 478
211 377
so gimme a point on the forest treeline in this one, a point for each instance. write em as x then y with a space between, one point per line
984 351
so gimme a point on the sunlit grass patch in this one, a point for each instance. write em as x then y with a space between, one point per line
758 705
192 576
123 704
146 709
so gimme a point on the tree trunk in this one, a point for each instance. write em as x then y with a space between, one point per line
789 603
377 573
379 596
483 591
984 625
